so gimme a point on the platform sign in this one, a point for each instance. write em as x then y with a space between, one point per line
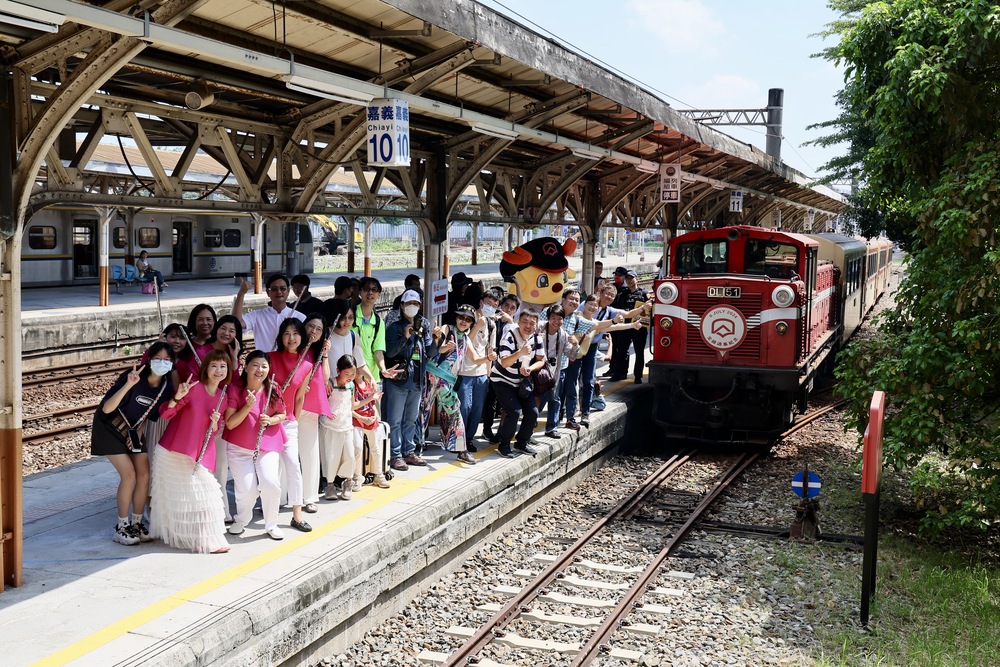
776 219
439 297
670 182
810 219
388 126
812 488
736 201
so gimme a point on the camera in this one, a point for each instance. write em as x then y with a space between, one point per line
418 328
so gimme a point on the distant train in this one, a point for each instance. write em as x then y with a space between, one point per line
744 321
60 245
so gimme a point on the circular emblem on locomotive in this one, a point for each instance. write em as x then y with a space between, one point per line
723 328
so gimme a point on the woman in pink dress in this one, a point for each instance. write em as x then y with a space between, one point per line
290 370
187 513
315 403
227 336
254 441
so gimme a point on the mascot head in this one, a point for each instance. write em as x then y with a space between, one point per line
538 270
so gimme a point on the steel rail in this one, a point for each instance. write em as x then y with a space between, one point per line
464 654
597 642
810 417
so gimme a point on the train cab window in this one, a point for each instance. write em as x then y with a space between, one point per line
213 238
769 258
118 237
41 237
149 237
232 238
702 257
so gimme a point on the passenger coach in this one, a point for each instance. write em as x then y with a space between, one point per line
60 245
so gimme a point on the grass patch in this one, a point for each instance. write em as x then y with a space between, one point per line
932 608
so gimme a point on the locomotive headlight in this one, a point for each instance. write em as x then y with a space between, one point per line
667 293
781 328
666 323
783 296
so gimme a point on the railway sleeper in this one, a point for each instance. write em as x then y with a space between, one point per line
575 621
517 641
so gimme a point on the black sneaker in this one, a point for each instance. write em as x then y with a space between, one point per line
572 425
125 535
585 420
505 452
471 447
552 434
141 531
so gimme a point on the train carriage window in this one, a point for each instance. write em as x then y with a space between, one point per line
702 257
213 238
41 237
149 237
118 237
232 238
769 258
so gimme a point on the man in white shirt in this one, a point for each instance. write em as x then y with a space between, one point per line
265 322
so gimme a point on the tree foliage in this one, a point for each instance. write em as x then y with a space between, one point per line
919 106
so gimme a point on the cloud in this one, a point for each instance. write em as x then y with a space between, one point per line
725 91
685 26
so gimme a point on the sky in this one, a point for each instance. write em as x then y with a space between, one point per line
709 54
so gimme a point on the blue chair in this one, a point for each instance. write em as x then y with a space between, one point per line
118 276
131 274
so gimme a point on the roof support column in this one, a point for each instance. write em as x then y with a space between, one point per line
435 225
368 246
292 263
475 243
105 214
350 244
11 491
257 243
590 231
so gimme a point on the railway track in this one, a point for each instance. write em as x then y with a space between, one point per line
619 600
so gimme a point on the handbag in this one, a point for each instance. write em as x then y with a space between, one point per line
129 435
544 379
526 389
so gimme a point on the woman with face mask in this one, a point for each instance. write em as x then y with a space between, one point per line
118 432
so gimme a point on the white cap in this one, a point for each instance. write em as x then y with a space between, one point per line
410 295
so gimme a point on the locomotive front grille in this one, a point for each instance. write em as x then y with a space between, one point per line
748 304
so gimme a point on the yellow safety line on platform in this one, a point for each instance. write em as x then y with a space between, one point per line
399 489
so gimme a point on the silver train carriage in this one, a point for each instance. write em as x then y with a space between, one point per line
60 245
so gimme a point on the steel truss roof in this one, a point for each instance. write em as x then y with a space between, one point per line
564 135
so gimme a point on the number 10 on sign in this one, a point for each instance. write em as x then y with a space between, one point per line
388 125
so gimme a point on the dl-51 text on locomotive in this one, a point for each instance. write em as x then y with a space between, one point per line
744 321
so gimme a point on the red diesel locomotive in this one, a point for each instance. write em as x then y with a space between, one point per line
745 319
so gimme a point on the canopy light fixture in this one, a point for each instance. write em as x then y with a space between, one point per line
492 131
647 167
324 89
587 155
26 16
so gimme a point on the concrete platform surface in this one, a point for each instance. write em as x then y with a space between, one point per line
89 601
195 291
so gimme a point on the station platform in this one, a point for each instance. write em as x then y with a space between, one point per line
87 600
40 300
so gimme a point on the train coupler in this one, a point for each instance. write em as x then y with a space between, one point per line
805 527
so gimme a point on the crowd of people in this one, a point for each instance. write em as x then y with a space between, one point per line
336 396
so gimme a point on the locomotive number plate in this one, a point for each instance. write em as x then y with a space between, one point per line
724 292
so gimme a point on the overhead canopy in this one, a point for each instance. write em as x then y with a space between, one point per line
539 131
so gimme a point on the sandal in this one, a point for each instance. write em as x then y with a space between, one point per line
310 508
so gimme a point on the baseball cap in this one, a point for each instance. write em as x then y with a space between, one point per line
410 295
466 310
621 271
631 274
460 279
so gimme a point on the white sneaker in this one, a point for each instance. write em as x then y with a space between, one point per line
358 483
345 493
124 534
275 533
236 529
332 492
381 482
